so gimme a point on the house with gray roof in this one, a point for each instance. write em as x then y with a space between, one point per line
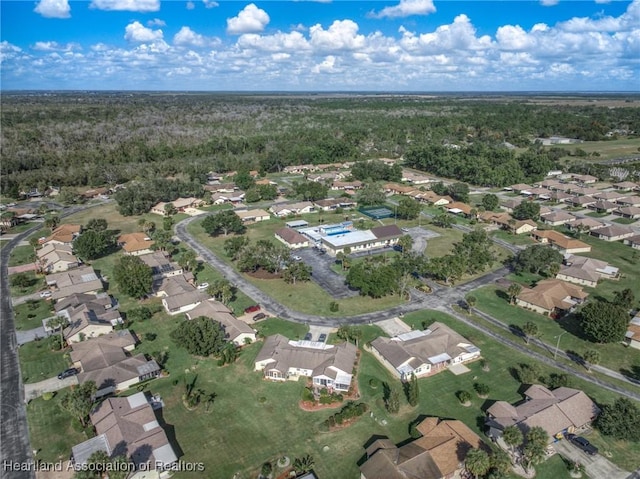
235 330
586 271
557 412
88 320
423 353
328 365
612 233
74 281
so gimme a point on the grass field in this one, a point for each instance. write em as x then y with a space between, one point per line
29 315
21 255
37 283
624 221
519 240
38 361
608 149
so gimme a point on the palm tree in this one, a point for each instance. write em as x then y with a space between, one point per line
58 322
303 464
471 302
513 291
554 269
477 462
512 436
530 330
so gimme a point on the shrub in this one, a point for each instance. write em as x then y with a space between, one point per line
374 383
324 399
266 469
482 389
262 399
463 396
150 336
307 395
338 418
334 307
48 396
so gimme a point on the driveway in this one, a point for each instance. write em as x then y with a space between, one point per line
420 236
332 282
316 331
596 467
24 337
394 326
22 268
32 391
24 299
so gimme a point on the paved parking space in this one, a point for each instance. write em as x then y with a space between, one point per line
596 467
420 236
332 282
316 331
394 326
34 390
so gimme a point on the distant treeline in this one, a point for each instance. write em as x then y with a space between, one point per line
93 139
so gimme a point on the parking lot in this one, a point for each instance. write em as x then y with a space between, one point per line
331 282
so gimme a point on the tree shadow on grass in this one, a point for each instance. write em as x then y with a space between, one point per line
571 323
502 295
632 373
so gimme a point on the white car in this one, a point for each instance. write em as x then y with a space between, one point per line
297 258
45 294
203 286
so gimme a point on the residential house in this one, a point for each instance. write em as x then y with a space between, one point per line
327 177
423 353
629 212
431 198
560 411
253 216
135 244
629 201
626 186
179 295
633 241
559 196
8 219
415 178
88 320
64 234
298 208
181 204
562 243
584 191
105 361
584 179
581 201
519 188
347 186
609 195
221 188
291 238
55 258
557 218
549 184
74 281
398 189
458 208
96 193
586 271
362 240
612 233
235 330
328 365
102 300
632 336
510 205
551 297
584 224
506 221
438 453
129 426
542 194
603 206
161 265
332 204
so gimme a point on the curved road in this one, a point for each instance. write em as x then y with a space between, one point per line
440 299
14 433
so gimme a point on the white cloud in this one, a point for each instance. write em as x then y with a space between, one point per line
251 19
341 35
136 32
156 22
191 5
210 3
126 5
459 36
328 65
288 42
55 47
53 8
406 8
187 37
549 3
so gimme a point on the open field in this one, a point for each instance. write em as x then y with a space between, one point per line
38 361
29 315
519 240
21 255
608 149
36 284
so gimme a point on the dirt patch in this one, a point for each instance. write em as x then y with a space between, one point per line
263 274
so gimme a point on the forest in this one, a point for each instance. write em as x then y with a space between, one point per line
92 139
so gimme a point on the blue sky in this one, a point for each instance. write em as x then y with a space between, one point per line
401 45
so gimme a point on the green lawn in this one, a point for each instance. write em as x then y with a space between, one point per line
21 255
624 221
206 274
280 326
37 283
29 315
38 361
595 214
493 300
51 430
607 149
519 240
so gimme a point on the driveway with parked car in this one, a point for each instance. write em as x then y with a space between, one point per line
321 272
596 466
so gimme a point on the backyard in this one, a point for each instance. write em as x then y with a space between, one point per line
29 315
38 361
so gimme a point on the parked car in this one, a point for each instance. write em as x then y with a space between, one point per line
583 444
259 316
252 309
297 258
405 230
45 294
322 338
203 286
308 337
68 373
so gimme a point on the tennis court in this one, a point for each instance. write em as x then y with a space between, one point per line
377 212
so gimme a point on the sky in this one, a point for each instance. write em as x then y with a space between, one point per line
395 45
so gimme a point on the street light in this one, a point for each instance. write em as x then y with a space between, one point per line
555 353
